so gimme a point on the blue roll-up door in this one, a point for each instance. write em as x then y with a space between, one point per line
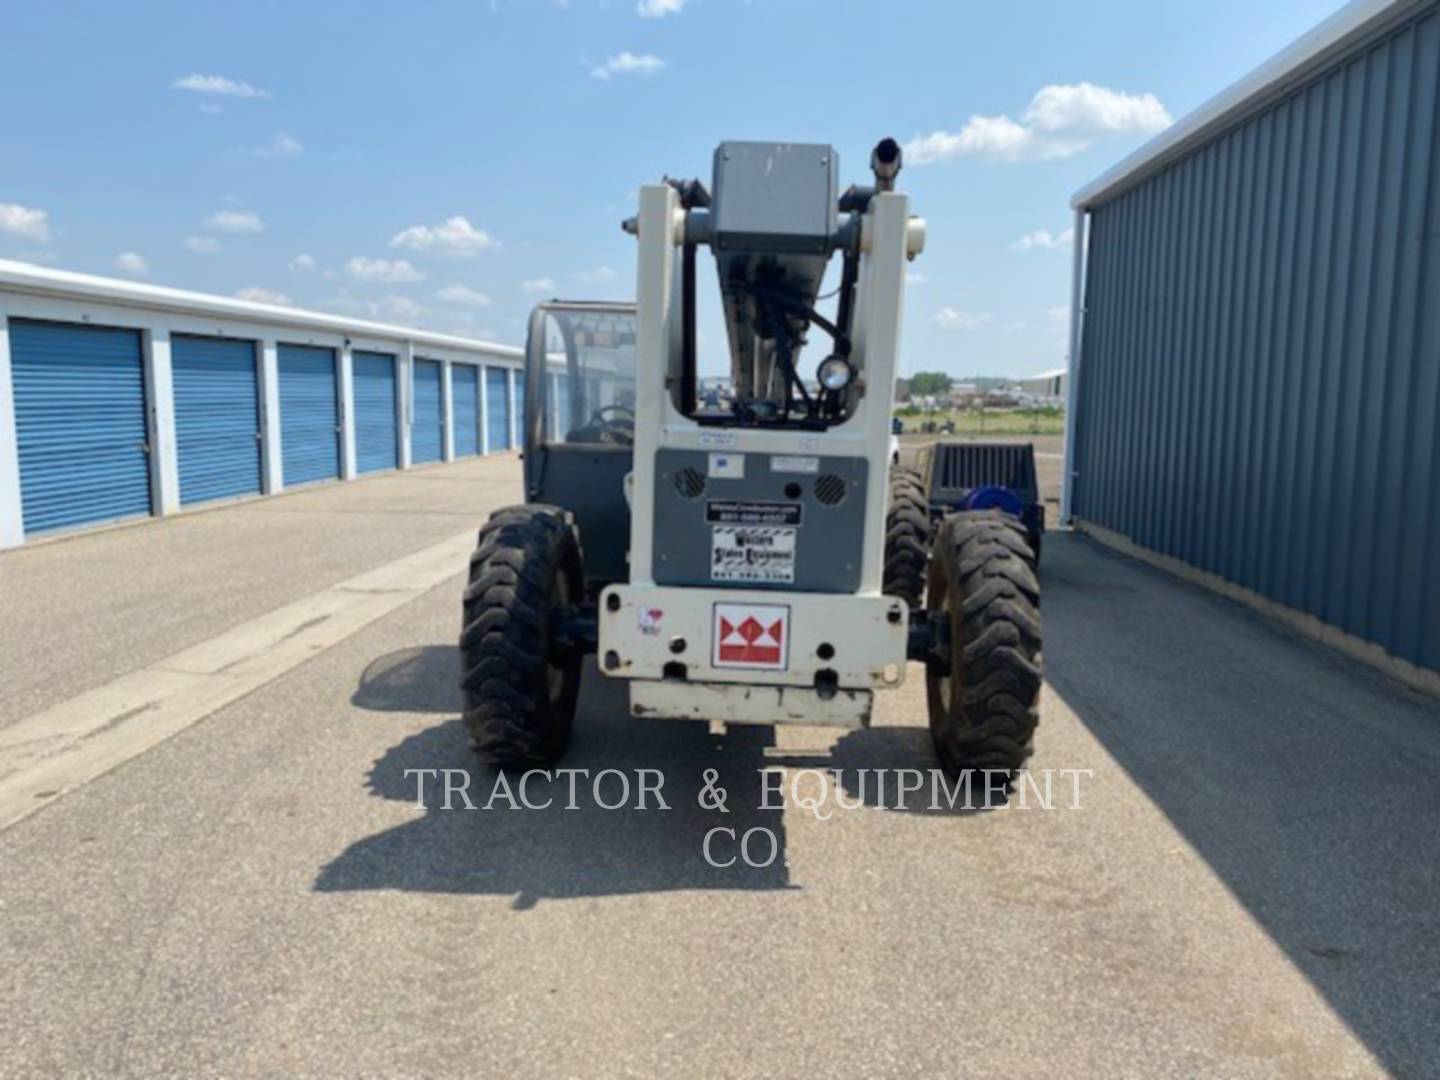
376 430
309 414
217 417
80 423
497 409
465 407
427 431
520 407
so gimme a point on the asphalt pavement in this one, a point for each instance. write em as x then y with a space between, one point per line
1246 886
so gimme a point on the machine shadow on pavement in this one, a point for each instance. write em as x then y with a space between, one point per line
556 852
1309 783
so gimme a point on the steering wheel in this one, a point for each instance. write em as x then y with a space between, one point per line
620 429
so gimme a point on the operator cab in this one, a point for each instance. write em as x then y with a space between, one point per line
580 422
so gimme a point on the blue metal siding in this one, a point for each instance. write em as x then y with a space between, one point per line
1260 387
376 429
427 433
80 423
217 417
309 414
497 409
465 407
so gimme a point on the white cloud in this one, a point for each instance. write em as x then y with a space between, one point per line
1058 316
538 285
391 308
25 221
400 308
915 277
218 84
302 264
235 221
463 295
453 236
129 262
394 271
627 63
656 9
264 296
1059 122
281 146
949 318
209 108
202 245
1045 240
598 276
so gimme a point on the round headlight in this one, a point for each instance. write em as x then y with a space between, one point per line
835 373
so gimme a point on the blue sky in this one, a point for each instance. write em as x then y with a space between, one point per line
445 165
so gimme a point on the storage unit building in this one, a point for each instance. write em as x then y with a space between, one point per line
427 432
465 408
217 417
1257 402
120 399
79 401
309 414
377 412
497 412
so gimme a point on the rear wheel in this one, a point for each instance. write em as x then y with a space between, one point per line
982 704
907 536
519 696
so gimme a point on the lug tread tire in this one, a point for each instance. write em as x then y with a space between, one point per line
983 569
505 636
907 536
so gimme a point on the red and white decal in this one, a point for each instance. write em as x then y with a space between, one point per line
751 636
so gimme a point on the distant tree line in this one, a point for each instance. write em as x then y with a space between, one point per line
929 383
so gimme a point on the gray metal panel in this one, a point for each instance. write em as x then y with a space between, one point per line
828 541
775 196
1261 371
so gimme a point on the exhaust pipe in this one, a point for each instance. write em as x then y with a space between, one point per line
885 164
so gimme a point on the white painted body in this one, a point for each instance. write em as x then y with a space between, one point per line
867 631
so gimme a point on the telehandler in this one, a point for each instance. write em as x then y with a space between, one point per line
751 557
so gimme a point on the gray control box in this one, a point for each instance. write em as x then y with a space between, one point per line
759 521
777 197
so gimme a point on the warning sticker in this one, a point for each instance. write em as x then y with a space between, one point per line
751 635
759 553
731 512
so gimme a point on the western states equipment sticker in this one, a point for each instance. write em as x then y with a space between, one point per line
732 512
753 553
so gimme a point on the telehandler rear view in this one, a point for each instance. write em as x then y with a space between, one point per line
755 559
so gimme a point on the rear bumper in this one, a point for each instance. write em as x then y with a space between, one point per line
651 632
733 703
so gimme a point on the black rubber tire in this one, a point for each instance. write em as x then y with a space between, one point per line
527 561
984 711
907 536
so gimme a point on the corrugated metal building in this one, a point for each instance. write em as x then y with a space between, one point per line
121 400
1257 320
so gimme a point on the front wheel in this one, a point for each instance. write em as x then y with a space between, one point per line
983 702
519 697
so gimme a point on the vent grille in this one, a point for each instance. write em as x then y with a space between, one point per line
830 489
689 483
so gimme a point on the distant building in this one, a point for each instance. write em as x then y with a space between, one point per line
1048 384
